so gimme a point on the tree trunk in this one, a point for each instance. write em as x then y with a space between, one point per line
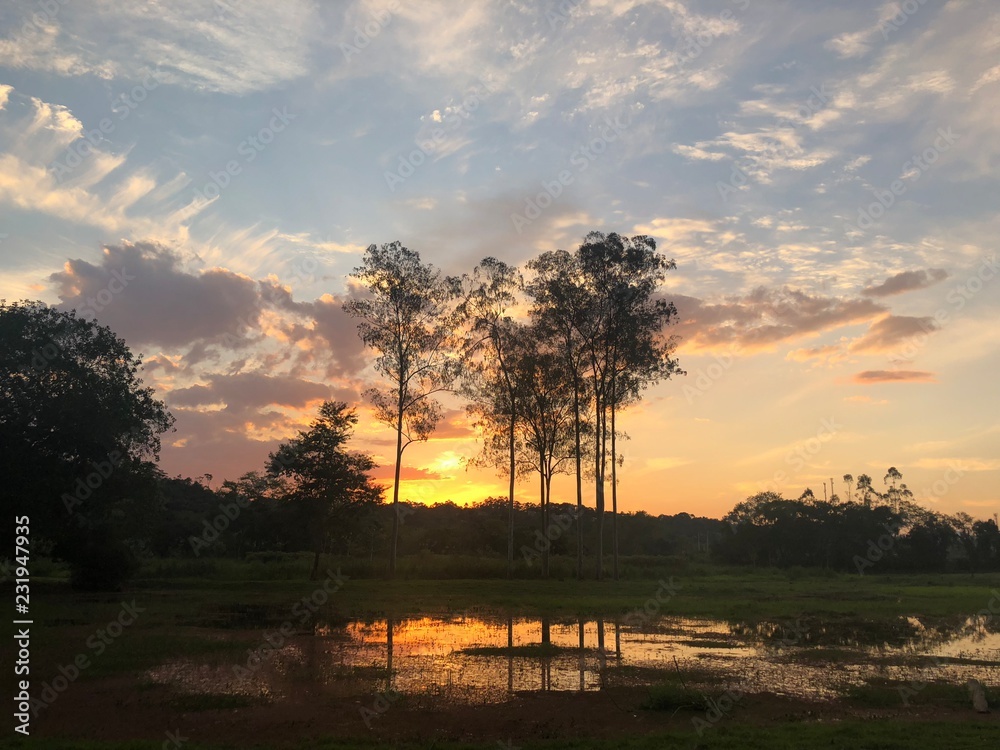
599 485
395 494
510 498
541 505
315 567
579 472
614 496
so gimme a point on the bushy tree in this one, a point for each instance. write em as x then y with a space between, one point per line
79 434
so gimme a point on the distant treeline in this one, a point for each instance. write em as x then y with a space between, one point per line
766 530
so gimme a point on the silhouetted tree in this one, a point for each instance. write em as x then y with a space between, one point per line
327 483
493 292
79 433
407 318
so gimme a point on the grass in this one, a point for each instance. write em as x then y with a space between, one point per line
214 611
883 693
883 735
211 702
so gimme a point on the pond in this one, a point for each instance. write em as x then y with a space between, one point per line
489 657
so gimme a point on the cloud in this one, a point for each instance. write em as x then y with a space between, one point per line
905 282
39 142
893 376
830 352
249 391
765 318
235 47
866 400
143 293
387 471
961 464
887 333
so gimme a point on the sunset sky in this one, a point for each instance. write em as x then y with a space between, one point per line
202 176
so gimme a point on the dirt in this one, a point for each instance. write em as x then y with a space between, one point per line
117 709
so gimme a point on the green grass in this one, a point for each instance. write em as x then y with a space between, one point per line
726 735
883 693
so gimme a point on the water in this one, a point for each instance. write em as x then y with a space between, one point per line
489 658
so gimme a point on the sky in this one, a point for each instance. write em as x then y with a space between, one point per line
203 175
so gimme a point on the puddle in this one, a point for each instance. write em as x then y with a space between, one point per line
484 659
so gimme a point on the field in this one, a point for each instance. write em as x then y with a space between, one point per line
255 655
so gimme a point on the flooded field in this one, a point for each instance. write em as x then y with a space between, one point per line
491 657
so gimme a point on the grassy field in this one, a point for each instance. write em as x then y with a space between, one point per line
218 616
851 735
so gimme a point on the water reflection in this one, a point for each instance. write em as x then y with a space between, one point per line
485 659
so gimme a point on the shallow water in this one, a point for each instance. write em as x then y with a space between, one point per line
489 658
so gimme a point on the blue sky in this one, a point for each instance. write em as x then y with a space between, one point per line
825 175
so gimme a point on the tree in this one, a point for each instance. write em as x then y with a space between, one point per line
560 310
408 318
865 489
893 493
544 405
625 343
848 480
328 484
486 308
79 431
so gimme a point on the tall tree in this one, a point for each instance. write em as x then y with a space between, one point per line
328 484
544 401
561 310
408 318
848 480
626 342
865 489
493 291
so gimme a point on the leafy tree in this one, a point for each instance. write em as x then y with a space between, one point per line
625 342
849 481
865 489
544 401
79 432
328 485
560 310
486 308
408 318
